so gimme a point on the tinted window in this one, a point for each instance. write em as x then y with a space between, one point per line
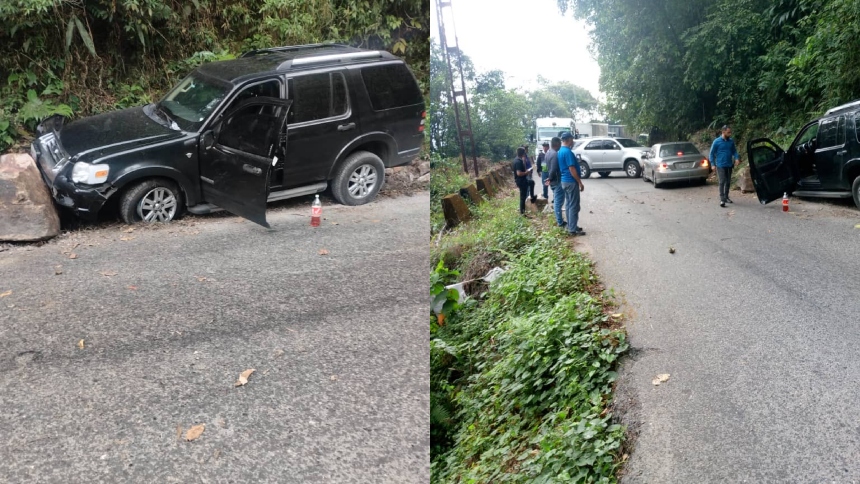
827 133
317 96
391 86
857 124
628 143
840 131
266 89
252 129
608 144
594 145
678 149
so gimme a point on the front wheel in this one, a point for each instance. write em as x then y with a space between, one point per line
585 169
603 174
855 190
154 200
358 179
632 169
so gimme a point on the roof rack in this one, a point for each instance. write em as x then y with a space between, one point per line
322 59
287 48
844 106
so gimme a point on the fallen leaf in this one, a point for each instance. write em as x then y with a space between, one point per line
243 377
7 293
334 378
335 223
133 288
857 226
128 230
58 270
108 273
376 221
126 238
618 315
194 432
278 353
661 378
323 252
671 250
81 344
201 279
73 256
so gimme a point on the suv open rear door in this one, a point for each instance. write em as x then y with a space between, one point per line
237 159
770 170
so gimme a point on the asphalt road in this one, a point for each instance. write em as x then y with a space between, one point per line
756 317
171 315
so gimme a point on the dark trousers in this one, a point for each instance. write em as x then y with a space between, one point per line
543 177
531 186
725 175
524 193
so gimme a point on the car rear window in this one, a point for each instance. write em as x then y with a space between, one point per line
390 86
678 149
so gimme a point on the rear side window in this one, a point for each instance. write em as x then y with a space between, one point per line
829 133
317 96
610 145
390 86
594 145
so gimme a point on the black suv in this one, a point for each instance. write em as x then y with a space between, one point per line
272 124
823 160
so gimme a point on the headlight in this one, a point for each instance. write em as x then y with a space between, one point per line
88 174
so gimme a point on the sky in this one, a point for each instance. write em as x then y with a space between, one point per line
521 39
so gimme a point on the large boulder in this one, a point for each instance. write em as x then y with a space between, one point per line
27 212
485 185
745 182
455 210
471 193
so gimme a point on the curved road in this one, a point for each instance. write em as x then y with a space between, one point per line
756 317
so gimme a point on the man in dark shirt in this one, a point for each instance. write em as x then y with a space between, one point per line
522 177
542 169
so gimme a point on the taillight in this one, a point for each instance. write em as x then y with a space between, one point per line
705 163
664 166
680 153
423 114
421 125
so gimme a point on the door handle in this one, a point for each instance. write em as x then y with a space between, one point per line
252 169
346 127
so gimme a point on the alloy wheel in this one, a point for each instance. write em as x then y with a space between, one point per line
157 205
362 181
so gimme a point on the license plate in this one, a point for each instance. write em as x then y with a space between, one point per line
684 165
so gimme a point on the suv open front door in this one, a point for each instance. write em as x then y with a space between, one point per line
237 156
770 170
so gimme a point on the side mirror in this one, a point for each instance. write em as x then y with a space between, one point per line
207 141
645 155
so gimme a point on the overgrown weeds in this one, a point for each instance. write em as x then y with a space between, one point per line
521 379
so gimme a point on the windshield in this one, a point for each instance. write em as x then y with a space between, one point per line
628 143
549 133
193 100
678 149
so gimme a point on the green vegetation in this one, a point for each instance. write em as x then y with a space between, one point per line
765 66
520 380
501 118
78 58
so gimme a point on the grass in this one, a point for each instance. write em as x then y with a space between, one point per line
522 375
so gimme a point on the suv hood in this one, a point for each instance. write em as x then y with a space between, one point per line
110 133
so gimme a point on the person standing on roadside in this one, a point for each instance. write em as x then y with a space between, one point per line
553 180
530 180
522 177
571 183
724 156
542 168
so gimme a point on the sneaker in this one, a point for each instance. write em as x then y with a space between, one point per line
722 204
563 224
729 200
579 231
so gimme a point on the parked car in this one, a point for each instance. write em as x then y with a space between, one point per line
273 124
677 161
822 161
606 154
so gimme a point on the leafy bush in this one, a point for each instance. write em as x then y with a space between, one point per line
520 382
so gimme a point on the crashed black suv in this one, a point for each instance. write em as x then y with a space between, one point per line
273 124
823 160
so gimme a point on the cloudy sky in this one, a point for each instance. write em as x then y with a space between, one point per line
522 38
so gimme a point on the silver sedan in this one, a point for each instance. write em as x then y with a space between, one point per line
677 161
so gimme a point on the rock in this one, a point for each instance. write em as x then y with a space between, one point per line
424 168
746 182
471 193
425 178
389 171
455 210
398 169
27 212
484 184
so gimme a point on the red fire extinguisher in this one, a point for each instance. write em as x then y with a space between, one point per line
785 202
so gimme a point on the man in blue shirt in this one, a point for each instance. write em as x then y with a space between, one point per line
724 156
571 183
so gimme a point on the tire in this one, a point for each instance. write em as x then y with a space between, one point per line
654 179
645 178
855 190
153 200
632 168
603 174
358 179
703 181
586 170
